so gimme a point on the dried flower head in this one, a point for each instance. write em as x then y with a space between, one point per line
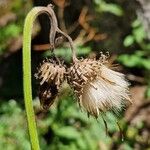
51 75
97 87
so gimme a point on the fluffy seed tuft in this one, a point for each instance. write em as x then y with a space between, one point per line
97 87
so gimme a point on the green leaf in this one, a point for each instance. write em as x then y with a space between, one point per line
139 34
146 63
12 30
140 53
132 132
62 146
67 132
112 8
90 142
111 119
136 23
130 61
126 146
81 143
128 41
102 6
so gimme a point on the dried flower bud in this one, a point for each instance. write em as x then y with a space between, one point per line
51 75
98 88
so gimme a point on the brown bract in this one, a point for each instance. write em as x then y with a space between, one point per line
51 71
82 72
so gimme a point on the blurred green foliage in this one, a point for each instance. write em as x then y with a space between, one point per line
66 52
63 127
141 56
13 28
13 133
7 33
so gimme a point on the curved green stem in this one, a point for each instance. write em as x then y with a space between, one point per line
27 84
27 78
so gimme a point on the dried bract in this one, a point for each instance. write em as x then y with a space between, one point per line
51 71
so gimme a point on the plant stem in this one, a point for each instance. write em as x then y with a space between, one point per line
27 32
74 57
27 83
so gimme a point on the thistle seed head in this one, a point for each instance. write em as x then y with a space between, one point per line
97 87
51 75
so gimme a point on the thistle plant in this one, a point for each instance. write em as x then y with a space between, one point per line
97 87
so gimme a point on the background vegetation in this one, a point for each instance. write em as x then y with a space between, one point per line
120 27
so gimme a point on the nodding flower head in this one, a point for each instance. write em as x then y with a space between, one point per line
51 75
97 87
